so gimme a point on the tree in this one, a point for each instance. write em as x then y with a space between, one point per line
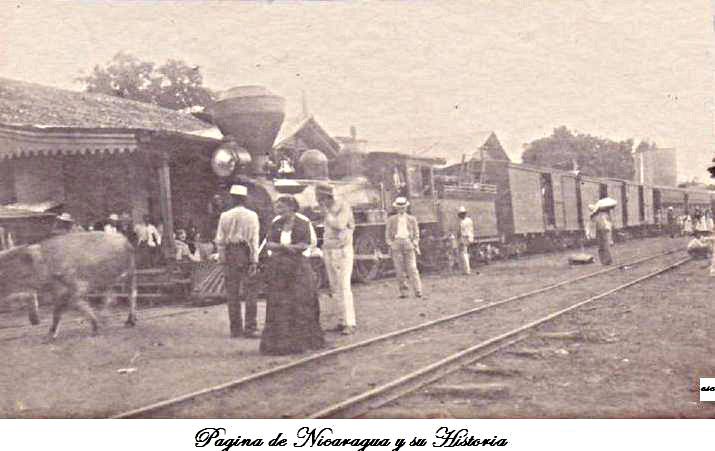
594 156
173 85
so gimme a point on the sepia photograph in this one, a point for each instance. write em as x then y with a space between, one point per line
357 209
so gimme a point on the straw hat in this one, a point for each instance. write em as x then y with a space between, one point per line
114 217
462 209
401 202
65 217
239 190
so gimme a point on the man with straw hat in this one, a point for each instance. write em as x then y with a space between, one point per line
237 244
402 235
466 238
65 223
601 220
338 254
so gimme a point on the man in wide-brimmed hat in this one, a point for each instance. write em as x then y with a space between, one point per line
338 254
111 223
237 244
402 235
65 223
466 238
601 221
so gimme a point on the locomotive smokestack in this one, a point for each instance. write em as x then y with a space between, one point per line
252 116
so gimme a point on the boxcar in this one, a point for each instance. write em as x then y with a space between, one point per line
570 202
591 190
670 197
615 190
698 199
478 200
633 206
648 207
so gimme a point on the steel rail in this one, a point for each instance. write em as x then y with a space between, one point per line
379 396
138 412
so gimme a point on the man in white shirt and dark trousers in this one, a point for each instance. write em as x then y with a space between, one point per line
466 238
402 235
237 244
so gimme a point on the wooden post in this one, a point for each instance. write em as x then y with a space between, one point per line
167 238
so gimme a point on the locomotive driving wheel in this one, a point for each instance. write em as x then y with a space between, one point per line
367 257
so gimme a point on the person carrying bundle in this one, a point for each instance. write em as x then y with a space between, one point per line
601 221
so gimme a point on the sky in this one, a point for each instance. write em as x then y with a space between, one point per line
618 69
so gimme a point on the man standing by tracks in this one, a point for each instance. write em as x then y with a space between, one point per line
466 238
402 235
237 243
338 254
601 220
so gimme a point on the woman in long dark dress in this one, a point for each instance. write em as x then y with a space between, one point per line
293 309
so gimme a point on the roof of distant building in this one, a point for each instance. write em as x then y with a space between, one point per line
449 147
309 132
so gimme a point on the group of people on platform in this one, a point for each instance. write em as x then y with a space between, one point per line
292 309
699 223
146 238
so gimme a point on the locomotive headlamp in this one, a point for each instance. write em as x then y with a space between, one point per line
228 158
223 161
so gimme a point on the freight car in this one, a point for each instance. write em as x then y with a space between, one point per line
538 209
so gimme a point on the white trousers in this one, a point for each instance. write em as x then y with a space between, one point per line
339 266
464 258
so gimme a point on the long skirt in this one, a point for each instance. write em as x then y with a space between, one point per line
292 309
604 247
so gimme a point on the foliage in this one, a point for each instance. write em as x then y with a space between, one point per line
172 85
594 156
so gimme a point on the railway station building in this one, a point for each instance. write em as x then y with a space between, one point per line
98 155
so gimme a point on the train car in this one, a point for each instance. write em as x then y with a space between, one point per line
632 203
649 210
668 196
570 203
616 191
537 208
591 191
698 199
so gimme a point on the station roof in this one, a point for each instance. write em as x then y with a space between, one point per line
34 105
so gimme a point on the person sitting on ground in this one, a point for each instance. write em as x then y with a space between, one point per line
699 248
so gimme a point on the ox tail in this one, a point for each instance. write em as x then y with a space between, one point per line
33 308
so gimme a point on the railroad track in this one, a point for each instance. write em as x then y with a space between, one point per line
501 323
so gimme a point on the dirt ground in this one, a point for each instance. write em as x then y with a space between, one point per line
174 350
636 354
